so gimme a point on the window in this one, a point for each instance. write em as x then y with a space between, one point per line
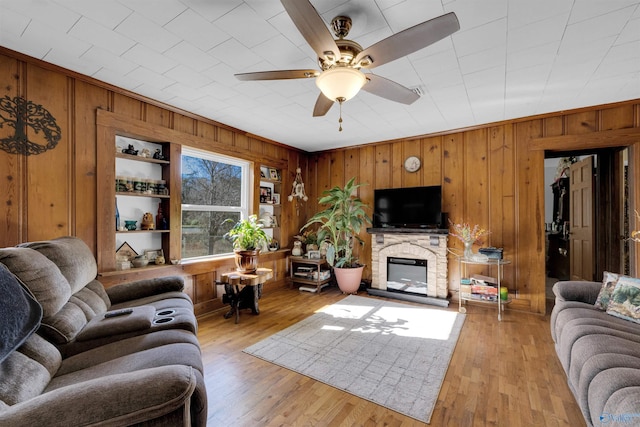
214 188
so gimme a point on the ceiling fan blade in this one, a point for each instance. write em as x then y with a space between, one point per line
312 28
409 40
278 75
323 105
389 89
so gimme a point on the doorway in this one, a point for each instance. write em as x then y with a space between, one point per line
586 223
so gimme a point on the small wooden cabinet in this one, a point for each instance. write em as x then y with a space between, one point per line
311 274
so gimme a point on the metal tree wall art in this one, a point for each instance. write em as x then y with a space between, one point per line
22 115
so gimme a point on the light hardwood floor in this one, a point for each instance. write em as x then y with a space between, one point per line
501 374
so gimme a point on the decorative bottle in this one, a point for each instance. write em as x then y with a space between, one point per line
117 217
161 221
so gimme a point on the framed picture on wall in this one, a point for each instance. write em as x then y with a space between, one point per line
276 198
265 194
264 172
273 174
152 254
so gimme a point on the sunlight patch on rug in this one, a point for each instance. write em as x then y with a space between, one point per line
390 353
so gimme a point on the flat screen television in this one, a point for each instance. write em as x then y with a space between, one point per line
412 207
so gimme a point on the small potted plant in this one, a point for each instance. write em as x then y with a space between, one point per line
248 237
339 225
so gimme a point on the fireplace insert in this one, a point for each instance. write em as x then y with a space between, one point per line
407 275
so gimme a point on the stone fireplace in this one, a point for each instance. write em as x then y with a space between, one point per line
413 248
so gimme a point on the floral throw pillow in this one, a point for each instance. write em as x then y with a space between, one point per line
625 300
609 281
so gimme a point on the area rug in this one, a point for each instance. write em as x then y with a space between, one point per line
390 353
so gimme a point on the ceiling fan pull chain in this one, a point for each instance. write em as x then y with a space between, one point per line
340 119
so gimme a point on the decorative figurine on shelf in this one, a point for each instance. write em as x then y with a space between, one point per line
159 260
158 155
161 221
147 222
297 248
145 153
130 225
130 150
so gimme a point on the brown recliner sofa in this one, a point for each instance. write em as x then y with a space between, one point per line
63 362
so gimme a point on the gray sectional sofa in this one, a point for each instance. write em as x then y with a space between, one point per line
599 351
65 362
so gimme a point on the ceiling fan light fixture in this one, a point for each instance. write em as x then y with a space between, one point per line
341 82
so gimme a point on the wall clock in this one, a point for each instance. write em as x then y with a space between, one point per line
412 164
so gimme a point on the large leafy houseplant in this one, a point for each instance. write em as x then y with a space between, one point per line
247 237
340 225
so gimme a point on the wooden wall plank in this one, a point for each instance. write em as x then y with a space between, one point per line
431 160
50 174
86 98
383 167
13 166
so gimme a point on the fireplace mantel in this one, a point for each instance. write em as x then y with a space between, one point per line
394 230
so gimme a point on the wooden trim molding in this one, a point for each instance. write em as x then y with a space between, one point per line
602 139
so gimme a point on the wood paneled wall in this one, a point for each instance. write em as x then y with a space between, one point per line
491 175
54 193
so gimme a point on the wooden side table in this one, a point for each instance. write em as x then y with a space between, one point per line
313 273
244 290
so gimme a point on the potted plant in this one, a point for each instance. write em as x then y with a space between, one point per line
248 237
339 225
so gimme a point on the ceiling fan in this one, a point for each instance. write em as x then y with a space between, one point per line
341 60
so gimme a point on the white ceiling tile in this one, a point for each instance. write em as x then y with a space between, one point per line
235 54
279 50
65 58
37 32
13 36
94 33
630 32
181 90
468 42
543 54
44 11
186 53
610 24
537 33
212 10
483 60
117 79
525 12
109 14
144 31
106 59
149 59
473 13
151 78
158 11
187 76
519 58
584 10
239 20
196 30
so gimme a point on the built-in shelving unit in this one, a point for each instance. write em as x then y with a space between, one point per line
270 200
130 185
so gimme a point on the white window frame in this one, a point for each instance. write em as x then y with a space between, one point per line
246 191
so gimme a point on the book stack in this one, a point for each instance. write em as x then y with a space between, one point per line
478 287
305 272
